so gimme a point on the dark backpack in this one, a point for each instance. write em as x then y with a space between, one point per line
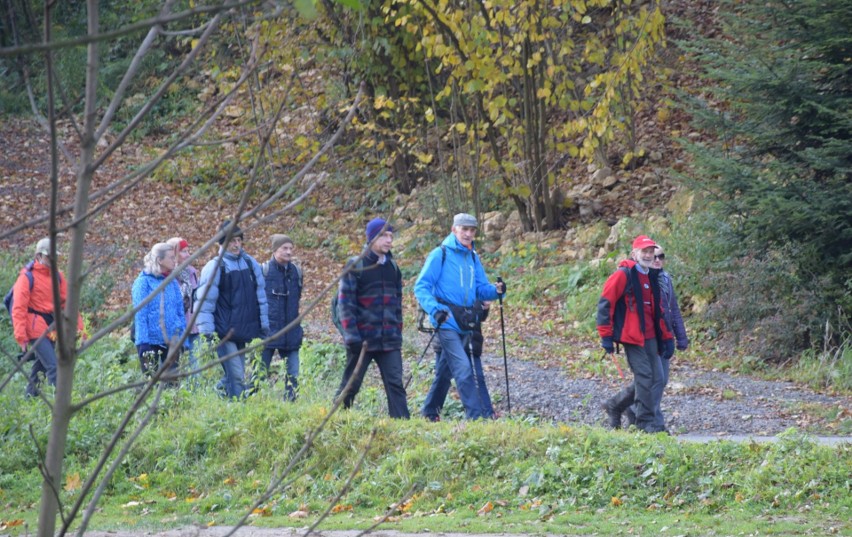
357 269
7 300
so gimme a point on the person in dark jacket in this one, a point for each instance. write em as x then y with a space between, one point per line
234 306
283 293
369 303
630 313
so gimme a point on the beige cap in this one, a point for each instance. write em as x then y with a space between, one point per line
43 246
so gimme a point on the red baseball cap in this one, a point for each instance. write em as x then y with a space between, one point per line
643 241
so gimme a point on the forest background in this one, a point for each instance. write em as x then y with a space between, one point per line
721 129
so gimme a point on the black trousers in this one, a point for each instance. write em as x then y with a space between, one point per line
390 367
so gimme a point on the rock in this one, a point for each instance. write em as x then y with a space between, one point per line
493 224
594 235
602 175
680 204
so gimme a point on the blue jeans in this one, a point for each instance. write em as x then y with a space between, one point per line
434 401
647 368
45 364
291 359
453 352
235 369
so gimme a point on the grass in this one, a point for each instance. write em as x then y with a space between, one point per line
206 461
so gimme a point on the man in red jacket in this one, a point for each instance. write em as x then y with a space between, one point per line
32 315
629 313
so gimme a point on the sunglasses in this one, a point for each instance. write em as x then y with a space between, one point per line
660 256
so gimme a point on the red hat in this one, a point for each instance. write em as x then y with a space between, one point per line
183 245
643 241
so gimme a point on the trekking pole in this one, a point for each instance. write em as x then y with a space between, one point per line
503 333
417 364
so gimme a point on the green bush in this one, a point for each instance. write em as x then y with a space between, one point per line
778 170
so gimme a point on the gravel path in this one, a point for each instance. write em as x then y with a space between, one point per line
696 401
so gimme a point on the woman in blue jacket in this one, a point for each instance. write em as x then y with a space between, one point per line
160 323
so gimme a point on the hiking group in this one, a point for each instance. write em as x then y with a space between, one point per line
235 299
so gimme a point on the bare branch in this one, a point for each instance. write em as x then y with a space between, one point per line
143 25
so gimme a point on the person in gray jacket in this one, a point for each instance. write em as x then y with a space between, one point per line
234 307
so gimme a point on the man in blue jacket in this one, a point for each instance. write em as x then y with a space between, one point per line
451 281
234 308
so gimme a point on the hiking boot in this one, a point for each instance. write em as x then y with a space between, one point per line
433 419
617 404
631 416
613 413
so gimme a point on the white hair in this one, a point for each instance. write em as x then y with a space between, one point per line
152 258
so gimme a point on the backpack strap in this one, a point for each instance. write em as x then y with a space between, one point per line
264 268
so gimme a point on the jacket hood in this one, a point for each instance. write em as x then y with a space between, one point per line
628 263
452 242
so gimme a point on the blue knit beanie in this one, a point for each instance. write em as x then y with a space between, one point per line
375 226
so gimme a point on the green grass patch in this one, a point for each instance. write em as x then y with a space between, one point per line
203 460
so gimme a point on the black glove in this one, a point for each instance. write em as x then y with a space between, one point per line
441 316
354 348
607 344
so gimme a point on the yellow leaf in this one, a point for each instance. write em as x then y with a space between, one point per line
339 508
615 501
11 523
229 481
72 482
738 497
261 511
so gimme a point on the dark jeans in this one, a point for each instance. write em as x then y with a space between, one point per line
44 365
390 367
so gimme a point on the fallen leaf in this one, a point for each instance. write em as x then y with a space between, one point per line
298 514
340 508
230 481
72 482
485 509
261 511
615 501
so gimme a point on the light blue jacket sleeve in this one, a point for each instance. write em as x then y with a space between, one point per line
484 289
424 287
262 302
209 278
